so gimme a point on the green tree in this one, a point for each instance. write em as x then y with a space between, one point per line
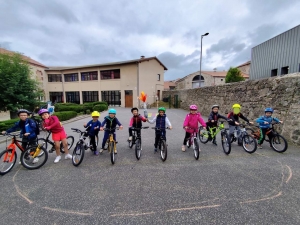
234 75
18 90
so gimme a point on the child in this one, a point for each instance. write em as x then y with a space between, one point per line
264 125
190 124
94 127
53 124
161 121
135 122
111 122
234 120
213 120
27 127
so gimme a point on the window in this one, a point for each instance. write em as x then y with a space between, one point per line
54 77
197 82
90 96
274 72
284 70
110 74
56 97
73 97
221 79
71 77
111 97
158 77
89 76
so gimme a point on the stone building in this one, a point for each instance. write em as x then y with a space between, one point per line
245 67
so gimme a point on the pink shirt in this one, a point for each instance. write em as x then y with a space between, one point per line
53 124
191 121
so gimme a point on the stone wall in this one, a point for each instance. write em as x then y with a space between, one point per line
280 93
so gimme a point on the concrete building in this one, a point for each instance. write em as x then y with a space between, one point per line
117 83
208 78
278 56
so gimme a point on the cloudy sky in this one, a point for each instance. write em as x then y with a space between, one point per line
68 32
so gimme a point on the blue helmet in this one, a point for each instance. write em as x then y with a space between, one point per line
269 110
112 111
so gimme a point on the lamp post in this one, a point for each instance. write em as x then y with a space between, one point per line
201 57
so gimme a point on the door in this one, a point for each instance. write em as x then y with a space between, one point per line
158 95
129 99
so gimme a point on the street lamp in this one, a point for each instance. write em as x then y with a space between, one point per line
201 57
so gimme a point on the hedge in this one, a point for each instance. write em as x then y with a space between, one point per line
66 115
59 107
100 108
6 124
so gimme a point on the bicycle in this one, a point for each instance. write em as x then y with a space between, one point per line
45 141
244 139
204 136
81 146
162 145
33 157
137 140
193 141
111 144
278 143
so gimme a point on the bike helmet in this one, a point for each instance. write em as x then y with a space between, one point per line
215 106
112 111
269 110
193 107
95 113
42 111
236 106
134 109
162 109
23 111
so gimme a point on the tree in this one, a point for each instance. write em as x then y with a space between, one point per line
234 75
18 90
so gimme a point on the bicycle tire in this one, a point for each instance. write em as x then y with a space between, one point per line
111 147
27 157
248 141
78 154
203 135
3 164
276 140
131 143
196 149
226 145
163 150
70 141
138 149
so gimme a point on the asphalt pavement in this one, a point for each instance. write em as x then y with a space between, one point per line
241 188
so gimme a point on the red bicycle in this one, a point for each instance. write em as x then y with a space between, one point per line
32 157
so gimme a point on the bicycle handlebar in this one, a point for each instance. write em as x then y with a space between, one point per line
157 128
109 129
137 128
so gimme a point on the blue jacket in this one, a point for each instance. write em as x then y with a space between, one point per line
92 125
30 127
268 119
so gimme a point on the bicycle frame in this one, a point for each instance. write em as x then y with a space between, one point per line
12 145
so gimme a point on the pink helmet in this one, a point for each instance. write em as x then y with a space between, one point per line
43 111
193 107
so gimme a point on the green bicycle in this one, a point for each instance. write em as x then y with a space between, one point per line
207 135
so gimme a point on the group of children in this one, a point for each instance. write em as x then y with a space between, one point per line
190 124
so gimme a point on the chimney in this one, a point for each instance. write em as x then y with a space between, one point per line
142 57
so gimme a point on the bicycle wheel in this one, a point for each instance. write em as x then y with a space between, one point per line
34 157
43 142
78 154
138 149
196 149
131 143
249 144
70 141
163 150
111 147
7 161
278 143
203 135
226 145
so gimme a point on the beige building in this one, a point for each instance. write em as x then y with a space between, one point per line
118 83
208 78
245 67
169 85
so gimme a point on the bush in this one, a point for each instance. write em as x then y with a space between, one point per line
6 124
88 111
66 115
59 105
100 108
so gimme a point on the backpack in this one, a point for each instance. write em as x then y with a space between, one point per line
37 126
231 114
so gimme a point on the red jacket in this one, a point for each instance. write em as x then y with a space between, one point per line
191 121
53 124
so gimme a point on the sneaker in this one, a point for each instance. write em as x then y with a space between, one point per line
101 150
183 148
57 159
96 153
155 150
130 138
259 146
68 156
35 160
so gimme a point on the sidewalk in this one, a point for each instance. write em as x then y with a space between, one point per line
3 138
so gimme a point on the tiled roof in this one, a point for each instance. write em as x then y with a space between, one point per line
244 64
108 64
168 84
25 58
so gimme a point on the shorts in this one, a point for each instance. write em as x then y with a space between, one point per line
59 136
